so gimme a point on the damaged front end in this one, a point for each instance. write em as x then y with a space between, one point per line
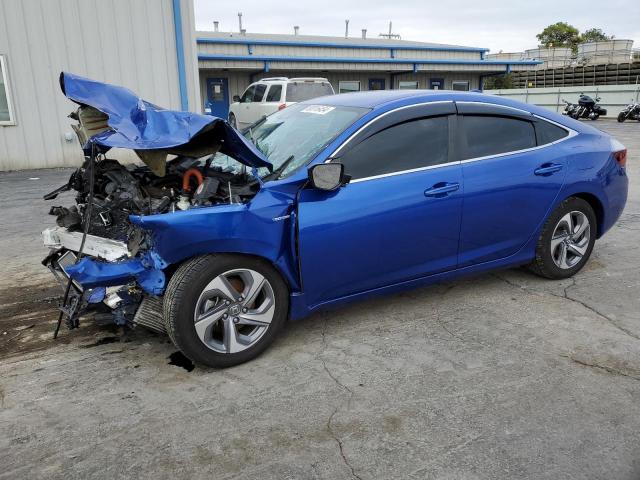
100 257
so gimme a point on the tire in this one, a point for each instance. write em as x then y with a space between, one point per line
621 117
548 260
595 116
232 121
189 293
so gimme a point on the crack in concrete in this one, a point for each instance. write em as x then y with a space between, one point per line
565 296
600 367
335 437
438 318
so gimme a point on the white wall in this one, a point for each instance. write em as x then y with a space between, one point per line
613 97
129 43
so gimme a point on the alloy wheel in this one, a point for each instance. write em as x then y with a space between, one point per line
234 310
570 239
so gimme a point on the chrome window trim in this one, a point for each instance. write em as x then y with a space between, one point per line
571 133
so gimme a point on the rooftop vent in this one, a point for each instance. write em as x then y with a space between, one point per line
364 33
296 29
216 26
346 29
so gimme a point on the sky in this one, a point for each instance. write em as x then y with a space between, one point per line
504 25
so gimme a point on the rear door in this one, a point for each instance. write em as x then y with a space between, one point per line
398 219
511 179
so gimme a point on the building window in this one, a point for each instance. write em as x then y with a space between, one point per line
6 109
348 86
407 85
462 85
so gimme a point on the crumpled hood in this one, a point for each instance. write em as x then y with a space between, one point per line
152 131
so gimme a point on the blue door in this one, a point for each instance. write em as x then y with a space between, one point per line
394 222
510 184
217 97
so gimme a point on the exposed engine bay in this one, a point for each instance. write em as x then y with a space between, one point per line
123 190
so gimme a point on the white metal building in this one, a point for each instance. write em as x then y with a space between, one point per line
145 45
229 62
151 47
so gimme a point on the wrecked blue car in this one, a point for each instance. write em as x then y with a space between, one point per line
218 237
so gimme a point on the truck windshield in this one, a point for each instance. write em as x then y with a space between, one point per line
291 137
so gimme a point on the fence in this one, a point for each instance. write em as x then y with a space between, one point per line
587 75
613 97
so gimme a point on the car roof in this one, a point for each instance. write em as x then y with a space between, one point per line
379 99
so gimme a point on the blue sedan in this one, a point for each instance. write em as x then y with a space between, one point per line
368 194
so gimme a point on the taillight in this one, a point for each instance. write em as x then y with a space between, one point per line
621 157
619 152
282 106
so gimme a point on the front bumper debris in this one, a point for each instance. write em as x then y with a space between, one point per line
105 248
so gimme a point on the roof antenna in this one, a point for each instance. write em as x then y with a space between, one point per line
346 29
296 29
390 35
240 22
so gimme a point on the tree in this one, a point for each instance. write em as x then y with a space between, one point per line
560 34
594 35
498 82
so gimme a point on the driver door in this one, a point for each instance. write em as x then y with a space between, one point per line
397 220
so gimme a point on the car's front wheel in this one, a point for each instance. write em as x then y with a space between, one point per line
222 310
566 240
232 121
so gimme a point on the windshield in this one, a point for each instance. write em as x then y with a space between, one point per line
291 137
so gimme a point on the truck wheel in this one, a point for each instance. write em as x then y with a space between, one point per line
223 310
566 240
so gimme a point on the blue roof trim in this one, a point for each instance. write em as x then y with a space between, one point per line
182 75
288 43
269 58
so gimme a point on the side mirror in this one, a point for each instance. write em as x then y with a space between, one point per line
328 176
236 98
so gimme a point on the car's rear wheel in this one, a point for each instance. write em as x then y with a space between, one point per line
566 240
222 310
232 121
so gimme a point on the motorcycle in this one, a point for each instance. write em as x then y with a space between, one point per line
630 112
588 108
568 108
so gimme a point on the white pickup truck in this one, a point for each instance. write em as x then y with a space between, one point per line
269 95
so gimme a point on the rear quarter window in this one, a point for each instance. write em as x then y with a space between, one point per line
301 91
548 132
485 135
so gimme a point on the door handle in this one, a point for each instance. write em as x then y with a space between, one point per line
547 169
441 189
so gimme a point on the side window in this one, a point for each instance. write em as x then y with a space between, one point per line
275 92
488 135
247 96
548 132
260 89
405 146
6 110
